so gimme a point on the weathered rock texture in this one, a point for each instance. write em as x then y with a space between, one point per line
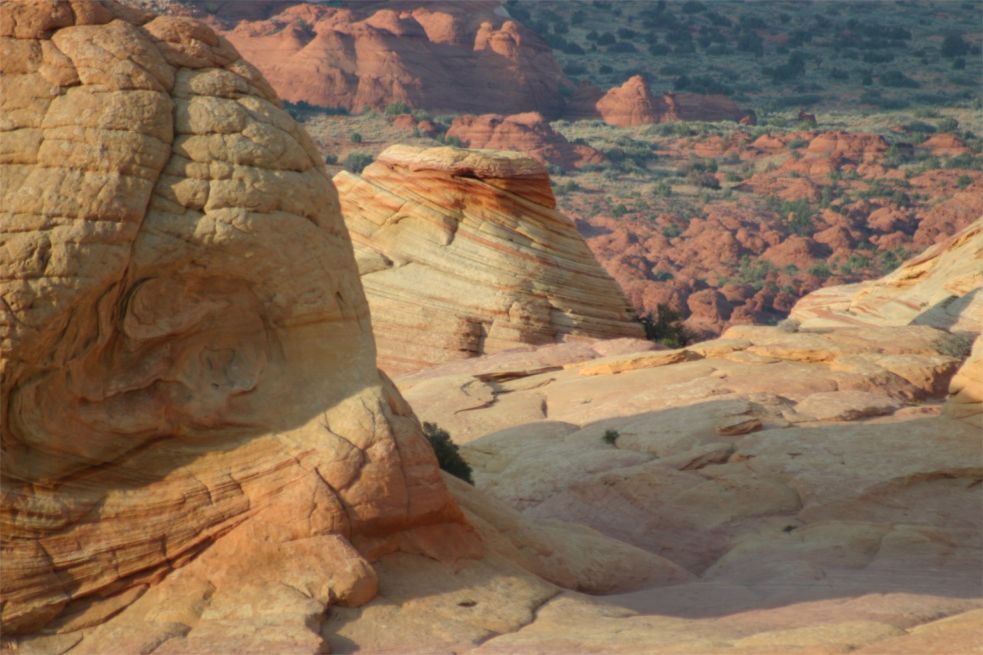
528 133
633 104
464 253
811 482
940 287
193 422
439 56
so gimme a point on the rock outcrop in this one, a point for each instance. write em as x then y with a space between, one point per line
940 287
812 483
443 57
633 104
528 133
195 433
464 253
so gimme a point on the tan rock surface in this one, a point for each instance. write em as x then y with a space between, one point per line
195 433
808 479
940 287
462 252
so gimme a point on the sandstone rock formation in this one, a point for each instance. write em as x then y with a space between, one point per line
463 253
940 287
633 104
444 57
660 254
810 481
528 133
195 433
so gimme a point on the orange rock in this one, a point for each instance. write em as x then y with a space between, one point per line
444 57
945 145
528 133
633 104
630 104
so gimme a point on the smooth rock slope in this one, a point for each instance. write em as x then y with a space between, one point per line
462 252
822 486
939 287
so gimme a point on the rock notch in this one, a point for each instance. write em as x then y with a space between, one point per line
462 253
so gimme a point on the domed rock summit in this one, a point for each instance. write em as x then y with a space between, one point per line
195 432
463 253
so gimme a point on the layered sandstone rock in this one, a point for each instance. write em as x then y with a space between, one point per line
195 433
463 253
444 57
528 133
940 287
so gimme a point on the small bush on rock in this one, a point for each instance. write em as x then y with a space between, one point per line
447 452
356 161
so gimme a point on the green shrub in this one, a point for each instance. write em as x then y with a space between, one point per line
954 46
666 327
396 108
356 161
671 231
703 180
331 158
447 452
964 181
456 142
948 124
820 270
610 437
356 137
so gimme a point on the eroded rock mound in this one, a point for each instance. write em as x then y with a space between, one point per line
940 287
444 57
194 428
463 253
633 104
528 133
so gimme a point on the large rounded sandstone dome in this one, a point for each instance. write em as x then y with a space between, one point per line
189 385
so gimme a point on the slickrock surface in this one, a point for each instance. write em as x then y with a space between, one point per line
195 433
819 485
940 287
528 133
444 57
464 253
